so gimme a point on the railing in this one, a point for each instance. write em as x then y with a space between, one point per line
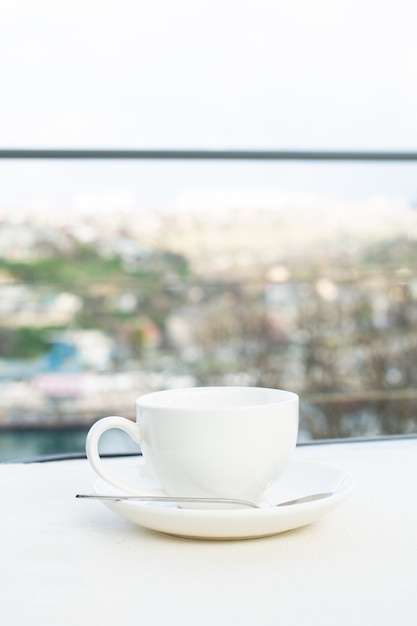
218 155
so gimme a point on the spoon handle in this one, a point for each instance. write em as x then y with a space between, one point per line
168 499
309 498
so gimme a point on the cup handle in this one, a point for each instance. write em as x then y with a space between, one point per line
92 441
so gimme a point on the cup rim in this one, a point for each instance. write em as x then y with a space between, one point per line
154 399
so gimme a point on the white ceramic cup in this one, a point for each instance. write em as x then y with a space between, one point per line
208 441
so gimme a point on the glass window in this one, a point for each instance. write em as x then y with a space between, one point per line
122 276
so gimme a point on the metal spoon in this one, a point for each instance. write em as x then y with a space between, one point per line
179 499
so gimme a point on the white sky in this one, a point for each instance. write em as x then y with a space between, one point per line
207 74
217 73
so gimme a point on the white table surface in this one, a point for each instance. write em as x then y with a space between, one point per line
67 562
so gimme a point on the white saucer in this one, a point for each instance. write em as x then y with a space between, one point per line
300 479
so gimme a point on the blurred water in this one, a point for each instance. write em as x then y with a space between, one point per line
16 445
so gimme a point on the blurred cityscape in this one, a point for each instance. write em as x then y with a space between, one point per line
303 292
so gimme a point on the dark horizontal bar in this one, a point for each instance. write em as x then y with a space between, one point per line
66 456
70 456
238 155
